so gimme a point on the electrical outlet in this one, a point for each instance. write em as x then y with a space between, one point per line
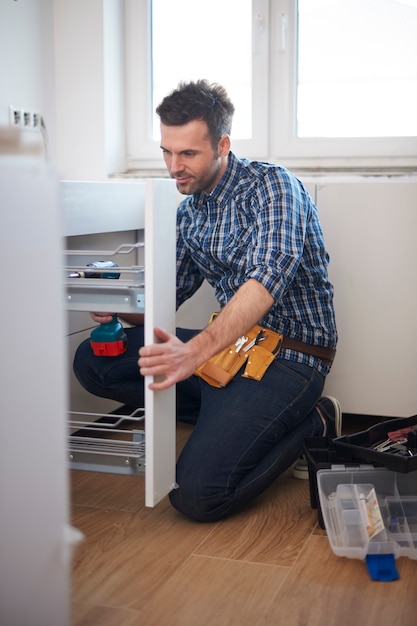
15 116
21 118
26 119
36 120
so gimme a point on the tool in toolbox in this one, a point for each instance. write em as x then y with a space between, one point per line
109 338
391 443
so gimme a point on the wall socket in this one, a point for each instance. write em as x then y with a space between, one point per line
24 119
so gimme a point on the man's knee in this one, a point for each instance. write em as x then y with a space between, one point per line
81 357
200 501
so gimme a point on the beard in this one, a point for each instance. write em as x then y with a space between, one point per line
188 183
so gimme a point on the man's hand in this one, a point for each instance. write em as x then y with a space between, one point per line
171 358
176 360
102 318
134 319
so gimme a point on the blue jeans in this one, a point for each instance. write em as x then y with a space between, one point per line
245 435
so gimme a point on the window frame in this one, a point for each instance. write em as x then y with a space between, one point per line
274 102
142 150
318 152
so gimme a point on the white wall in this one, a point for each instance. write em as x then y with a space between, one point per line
369 226
64 59
26 62
20 55
89 73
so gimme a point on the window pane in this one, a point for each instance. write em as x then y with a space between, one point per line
213 40
357 68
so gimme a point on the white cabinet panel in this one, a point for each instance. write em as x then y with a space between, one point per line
91 207
35 582
160 286
157 206
370 232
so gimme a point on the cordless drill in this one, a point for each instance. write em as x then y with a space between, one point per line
109 338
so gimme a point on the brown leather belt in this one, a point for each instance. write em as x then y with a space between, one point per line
321 352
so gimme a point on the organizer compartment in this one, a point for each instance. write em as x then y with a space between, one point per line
369 511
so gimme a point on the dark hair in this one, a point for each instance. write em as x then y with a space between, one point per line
199 100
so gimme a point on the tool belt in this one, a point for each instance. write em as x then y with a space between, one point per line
321 352
256 351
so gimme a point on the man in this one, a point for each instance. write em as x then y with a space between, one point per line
251 230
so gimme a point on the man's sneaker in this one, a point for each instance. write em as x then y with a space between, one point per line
330 412
300 469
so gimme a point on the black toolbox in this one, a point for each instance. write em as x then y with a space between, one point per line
320 454
364 445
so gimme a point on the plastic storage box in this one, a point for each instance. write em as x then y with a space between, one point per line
369 511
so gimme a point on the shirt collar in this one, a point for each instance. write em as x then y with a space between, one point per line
224 188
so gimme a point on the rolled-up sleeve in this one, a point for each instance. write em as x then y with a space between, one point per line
281 224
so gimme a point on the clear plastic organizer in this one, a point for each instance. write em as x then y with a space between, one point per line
369 511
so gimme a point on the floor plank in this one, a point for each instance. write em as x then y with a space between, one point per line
272 530
126 557
107 491
87 615
208 592
322 588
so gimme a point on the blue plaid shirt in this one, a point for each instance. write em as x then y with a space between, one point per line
259 222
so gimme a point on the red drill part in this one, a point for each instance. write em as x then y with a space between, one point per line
108 348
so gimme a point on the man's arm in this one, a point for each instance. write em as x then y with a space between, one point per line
246 308
177 360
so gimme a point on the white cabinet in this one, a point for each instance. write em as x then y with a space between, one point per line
114 207
34 557
370 230
79 323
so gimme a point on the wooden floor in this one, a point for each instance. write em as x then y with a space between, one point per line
270 565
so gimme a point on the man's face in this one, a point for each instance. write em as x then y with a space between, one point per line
190 157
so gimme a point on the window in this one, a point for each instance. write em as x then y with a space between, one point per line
198 50
225 41
357 68
314 82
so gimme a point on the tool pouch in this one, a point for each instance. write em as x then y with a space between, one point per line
259 359
223 366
